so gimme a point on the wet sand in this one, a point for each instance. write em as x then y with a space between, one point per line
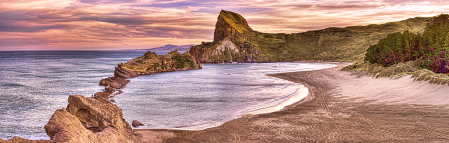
339 108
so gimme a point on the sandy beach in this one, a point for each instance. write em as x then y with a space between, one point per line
338 108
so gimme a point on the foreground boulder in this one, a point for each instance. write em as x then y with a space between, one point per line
89 120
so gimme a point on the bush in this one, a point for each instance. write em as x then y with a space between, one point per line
183 61
431 49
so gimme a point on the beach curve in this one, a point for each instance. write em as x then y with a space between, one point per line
328 114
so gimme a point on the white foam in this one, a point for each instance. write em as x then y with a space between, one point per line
297 96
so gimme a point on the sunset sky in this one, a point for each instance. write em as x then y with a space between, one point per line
137 24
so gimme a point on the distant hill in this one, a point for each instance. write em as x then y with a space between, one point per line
235 40
171 47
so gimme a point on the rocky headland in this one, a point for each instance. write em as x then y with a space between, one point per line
149 63
97 119
235 41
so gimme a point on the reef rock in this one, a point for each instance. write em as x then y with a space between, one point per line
124 73
105 94
114 82
136 123
89 120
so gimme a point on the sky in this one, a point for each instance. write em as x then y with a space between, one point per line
144 24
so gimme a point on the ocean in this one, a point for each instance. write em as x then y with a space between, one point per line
33 84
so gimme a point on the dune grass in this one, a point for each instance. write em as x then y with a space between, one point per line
396 71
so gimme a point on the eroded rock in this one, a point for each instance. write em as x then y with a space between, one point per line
124 73
136 123
89 120
114 82
105 94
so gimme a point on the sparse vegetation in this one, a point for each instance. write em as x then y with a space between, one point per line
182 61
150 62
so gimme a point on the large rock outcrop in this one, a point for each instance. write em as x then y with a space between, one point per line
230 24
230 44
88 119
85 120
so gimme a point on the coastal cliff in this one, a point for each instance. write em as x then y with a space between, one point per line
235 41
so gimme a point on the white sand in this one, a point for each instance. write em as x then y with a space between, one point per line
386 90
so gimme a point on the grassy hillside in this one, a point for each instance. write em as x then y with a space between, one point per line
332 44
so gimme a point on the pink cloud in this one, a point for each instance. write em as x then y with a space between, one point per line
131 24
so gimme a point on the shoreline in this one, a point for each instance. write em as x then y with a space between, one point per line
278 104
297 96
301 93
332 112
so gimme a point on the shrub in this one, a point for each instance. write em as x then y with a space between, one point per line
431 49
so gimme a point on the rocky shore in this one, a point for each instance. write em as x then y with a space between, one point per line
96 118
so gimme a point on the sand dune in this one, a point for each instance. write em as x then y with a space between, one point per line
386 90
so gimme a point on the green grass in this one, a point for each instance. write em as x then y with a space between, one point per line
183 61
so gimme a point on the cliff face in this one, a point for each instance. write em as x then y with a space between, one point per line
231 33
332 44
230 24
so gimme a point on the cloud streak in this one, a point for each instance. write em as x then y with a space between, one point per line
132 24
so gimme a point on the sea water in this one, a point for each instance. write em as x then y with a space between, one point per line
33 84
